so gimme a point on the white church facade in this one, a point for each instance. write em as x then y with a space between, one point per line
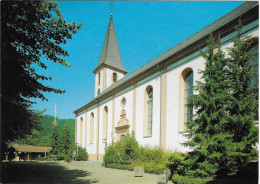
152 101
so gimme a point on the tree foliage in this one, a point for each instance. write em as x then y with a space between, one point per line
65 140
243 104
223 134
31 30
207 136
55 142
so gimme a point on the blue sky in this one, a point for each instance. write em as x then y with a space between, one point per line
144 29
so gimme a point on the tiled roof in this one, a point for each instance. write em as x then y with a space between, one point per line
29 148
110 54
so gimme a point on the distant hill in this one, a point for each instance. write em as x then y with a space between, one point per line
47 126
42 137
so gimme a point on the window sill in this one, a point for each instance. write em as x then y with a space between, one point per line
147 136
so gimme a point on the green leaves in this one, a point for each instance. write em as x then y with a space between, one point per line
30 29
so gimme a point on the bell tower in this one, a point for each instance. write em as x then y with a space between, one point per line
110 68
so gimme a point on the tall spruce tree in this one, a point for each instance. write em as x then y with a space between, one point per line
208 138
243 104
55 141
65 141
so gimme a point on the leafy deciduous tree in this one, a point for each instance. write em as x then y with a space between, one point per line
30 30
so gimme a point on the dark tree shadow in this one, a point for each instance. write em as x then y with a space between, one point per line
41 172
247 175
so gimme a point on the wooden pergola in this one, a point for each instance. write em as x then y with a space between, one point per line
26 152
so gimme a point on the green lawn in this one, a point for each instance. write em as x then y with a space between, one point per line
41 172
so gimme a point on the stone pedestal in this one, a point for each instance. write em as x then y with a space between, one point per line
162 179
139 171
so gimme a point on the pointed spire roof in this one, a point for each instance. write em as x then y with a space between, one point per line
110 54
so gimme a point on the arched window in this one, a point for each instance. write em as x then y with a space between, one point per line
91 128
148 111
98 78
105 120
98 91
81 131
188 92
185 92
114 77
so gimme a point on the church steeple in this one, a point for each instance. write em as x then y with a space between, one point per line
110 67
110 54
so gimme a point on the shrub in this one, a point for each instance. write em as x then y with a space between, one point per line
68 158
124 151
110 155
151 154
53 156
175 163
178 179
127 154
41 159
82 155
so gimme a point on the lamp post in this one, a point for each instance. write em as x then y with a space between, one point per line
45 152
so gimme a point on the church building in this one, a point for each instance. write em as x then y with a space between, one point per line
152 101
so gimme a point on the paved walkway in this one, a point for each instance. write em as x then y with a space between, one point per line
88 172
102 175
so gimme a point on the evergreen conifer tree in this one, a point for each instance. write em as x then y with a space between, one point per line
223 133
65 141
55 141
207 136
243 104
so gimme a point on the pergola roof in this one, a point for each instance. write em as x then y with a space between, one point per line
29 148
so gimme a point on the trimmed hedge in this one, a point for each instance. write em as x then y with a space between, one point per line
42 159
178 179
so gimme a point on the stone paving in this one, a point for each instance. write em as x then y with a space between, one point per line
102 175
88 172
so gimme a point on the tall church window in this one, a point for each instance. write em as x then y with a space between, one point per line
98 78
185 109
105 120
81 131
91 128
148 111
188 92
114 77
